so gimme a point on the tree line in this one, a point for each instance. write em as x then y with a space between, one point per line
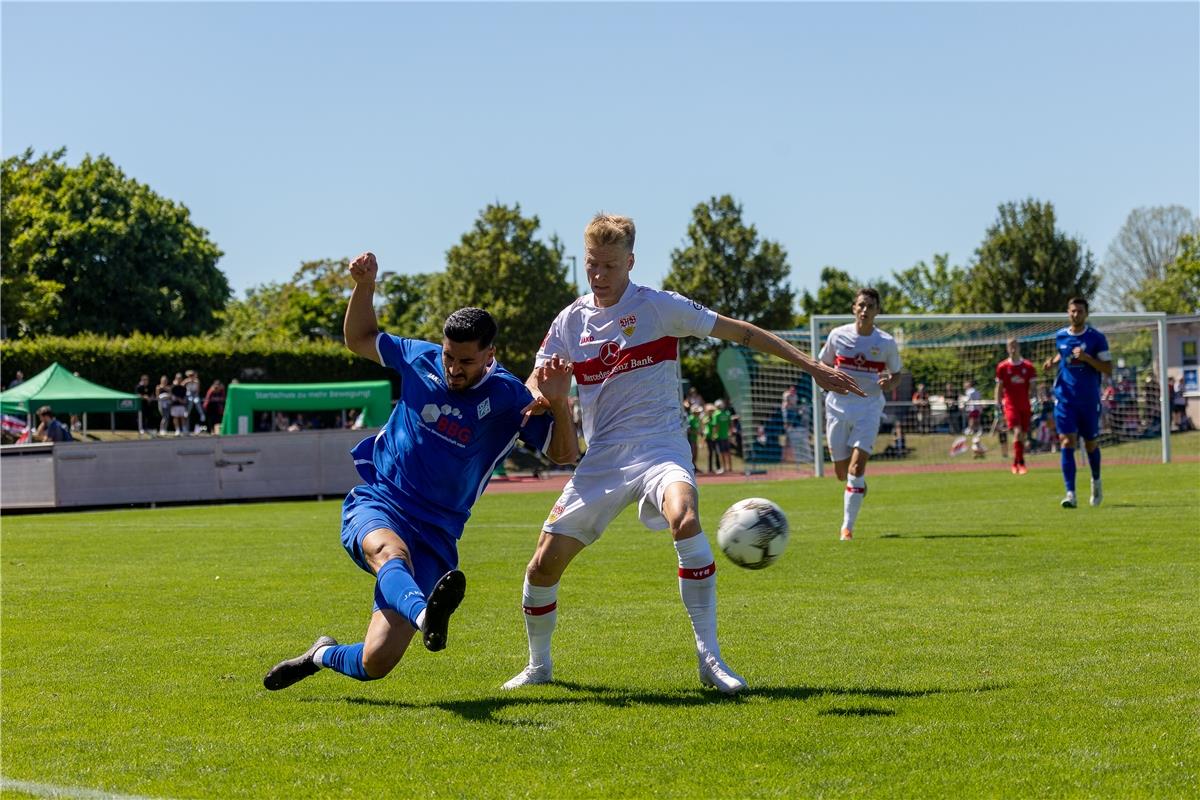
87 249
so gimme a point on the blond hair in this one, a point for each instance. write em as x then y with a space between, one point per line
609 229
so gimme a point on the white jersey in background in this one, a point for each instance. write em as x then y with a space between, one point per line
862 358
626 361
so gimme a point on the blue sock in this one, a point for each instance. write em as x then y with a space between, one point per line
1068 467
348 660
396 589
1094 461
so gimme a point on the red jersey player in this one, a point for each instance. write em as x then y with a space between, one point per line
1013 378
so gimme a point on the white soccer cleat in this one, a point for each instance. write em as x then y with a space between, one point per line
1097 495
530 676
716 673
1069 501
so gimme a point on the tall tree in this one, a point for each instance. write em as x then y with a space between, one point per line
727 267
1178 290
501 267
1147 244
126 258
922 289
404 305
1026 265
835 295
308 307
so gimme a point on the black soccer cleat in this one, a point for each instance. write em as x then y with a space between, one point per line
443 600
294 670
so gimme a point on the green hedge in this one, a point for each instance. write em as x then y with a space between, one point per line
118 362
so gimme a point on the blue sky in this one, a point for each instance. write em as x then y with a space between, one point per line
866 136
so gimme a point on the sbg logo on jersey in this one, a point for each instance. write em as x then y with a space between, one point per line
445 420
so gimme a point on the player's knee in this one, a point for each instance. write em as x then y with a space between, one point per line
684 525
543 570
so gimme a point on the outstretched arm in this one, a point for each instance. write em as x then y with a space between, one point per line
750 335
360 328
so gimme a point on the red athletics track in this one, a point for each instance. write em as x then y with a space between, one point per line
556 481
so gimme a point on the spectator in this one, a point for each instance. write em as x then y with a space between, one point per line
1180 419
192 384
920 405
723 421
282 422
953 418
214 403
974 407
694 415
179 405
17 380
162 393
709 425
793 417
146 394
49 429
694 398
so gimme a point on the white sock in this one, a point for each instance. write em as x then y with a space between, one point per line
698 590
540 604
856 490
319 656
420 619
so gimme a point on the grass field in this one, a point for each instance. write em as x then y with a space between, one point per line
974 640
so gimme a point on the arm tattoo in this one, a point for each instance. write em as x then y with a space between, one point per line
746 337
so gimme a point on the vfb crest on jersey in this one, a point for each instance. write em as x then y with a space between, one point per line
628 324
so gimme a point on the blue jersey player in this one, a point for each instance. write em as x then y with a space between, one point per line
1082 358
458 415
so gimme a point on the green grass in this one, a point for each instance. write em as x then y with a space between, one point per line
974 640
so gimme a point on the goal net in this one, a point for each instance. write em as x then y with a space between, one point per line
932 419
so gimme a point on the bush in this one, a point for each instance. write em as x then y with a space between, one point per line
118 362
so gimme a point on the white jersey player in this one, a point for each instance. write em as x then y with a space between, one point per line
623 342
871 357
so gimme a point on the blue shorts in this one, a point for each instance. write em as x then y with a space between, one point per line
1078 418
433 551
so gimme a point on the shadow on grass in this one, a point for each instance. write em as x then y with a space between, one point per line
857 711
484 709
953 536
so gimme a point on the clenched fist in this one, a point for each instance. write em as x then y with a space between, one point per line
364 268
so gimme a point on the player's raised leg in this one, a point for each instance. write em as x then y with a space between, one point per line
539 601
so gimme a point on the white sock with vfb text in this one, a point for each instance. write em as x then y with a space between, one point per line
698 590
540 604
856 490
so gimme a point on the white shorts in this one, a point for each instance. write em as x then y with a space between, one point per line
179 411
610 477
846 430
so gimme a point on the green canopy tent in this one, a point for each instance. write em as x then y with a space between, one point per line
67 393
244 400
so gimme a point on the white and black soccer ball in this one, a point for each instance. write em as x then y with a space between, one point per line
753 533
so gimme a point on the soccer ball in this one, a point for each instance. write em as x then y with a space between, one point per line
753 533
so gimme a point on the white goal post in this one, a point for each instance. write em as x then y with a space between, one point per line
782 417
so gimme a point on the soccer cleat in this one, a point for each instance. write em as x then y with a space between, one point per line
1016 469
443 600
1069 500
1022 469
294 670
847 534
716 673
1097 495
530 676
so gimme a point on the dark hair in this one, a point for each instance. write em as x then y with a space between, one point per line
45 410
867 291
471 325
1078 301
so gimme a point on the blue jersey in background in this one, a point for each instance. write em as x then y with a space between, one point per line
1076 381
439 447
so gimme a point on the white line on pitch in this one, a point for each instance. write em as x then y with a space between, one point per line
73 792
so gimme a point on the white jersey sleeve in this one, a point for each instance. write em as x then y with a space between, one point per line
683 317
893 357
555 342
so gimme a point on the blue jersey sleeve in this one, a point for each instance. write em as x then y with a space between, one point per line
395 351
536 432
